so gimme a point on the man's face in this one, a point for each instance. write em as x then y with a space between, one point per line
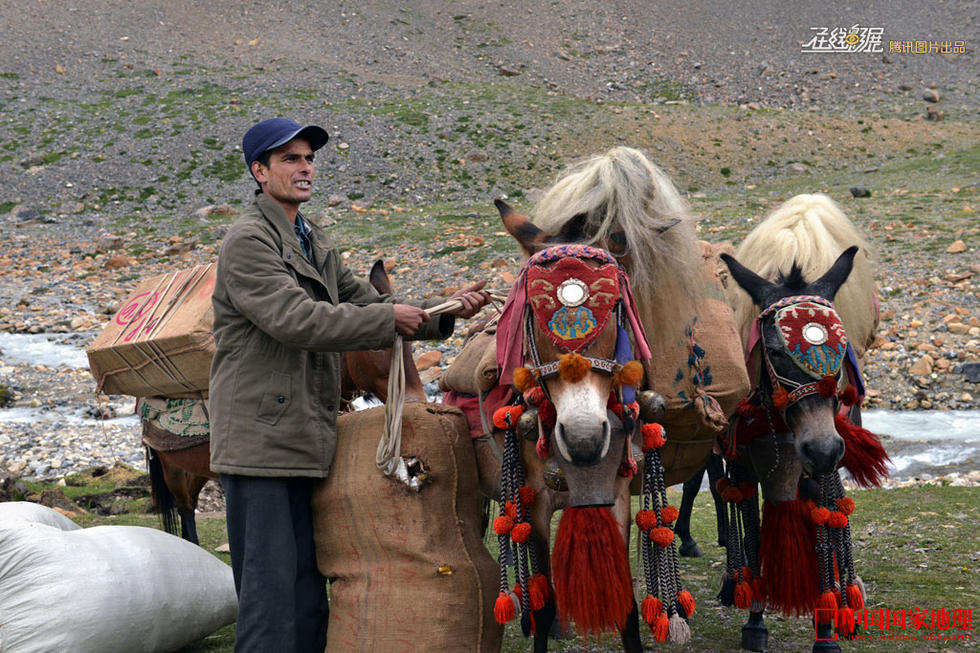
289 177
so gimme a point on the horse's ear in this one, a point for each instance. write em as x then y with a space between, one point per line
379 278
828 285
673 222
762 292
530 238
572 231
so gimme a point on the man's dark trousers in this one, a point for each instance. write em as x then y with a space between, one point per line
282 597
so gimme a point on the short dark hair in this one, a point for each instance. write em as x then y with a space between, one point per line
264 159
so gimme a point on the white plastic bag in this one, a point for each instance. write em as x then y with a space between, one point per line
25 511
124 589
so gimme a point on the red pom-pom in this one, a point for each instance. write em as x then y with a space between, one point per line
827 386
646 519
826 607
819 516
721 484
520 532
534 396
651 609
524 379
616 408
746 574
631 374
539 591
731 495
502 525
837 520
854 597
631 410
845 621
669 514
780 398
849 396
653 436
504 608
526 494
662 536
687 602
628 468
510 509
845 505
745 408
572 368
547 414
506 417
748 490
542 447
743 595
661 627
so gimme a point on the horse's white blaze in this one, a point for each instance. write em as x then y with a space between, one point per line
581 412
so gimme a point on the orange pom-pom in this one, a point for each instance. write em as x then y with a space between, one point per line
780 397
731 495
826 607
687 602
572 368
646 519
524 379
526 494
653 436
669 514
506 417
631 374
661 627
510 509
849 396
662 536
651 609
504 608
845 505
743 595
539 591
845 621
502 525
520 532
827 386
534 396
819 516
854 597
722 484
837 520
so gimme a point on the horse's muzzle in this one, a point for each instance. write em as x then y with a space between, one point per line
582 447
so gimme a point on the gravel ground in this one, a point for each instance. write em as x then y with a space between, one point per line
119 124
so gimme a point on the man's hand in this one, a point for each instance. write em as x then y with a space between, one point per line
408 319
471 298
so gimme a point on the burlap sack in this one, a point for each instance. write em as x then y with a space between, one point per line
474 370
409 570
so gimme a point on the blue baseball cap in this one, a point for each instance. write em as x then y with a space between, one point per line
270 134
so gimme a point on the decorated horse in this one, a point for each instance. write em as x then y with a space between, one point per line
612 259
177 436
807 313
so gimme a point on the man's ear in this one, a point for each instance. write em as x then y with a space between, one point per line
259 172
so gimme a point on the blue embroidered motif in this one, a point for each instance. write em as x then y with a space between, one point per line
572 322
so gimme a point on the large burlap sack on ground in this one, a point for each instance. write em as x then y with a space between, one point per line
14 512
409 569
108 589
690 436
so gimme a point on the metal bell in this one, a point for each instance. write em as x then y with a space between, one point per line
554 477
652 406
527 425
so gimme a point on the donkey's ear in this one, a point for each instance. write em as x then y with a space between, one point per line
828 285
530 238
379 278
762 292
673 222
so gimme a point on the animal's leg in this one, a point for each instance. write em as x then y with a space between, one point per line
716 470
164 503
631 633
755 635
689 548
622 511
825 642
188 520
540 517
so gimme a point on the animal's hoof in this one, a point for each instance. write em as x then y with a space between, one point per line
755 637
690 550
824 644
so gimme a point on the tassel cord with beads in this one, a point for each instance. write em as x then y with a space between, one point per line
669 563
848 551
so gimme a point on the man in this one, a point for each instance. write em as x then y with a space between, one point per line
284 306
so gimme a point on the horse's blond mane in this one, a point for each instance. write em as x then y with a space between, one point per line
622 191
811 231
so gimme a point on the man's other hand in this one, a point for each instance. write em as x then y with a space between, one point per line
471 298
408 319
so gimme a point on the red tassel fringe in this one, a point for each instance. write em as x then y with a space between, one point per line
539 591
854 597
687 602
590 571
787 556
650 609
864 457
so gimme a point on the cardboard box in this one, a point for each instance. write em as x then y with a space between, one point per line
160 342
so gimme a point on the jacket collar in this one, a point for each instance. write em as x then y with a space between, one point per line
292 252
